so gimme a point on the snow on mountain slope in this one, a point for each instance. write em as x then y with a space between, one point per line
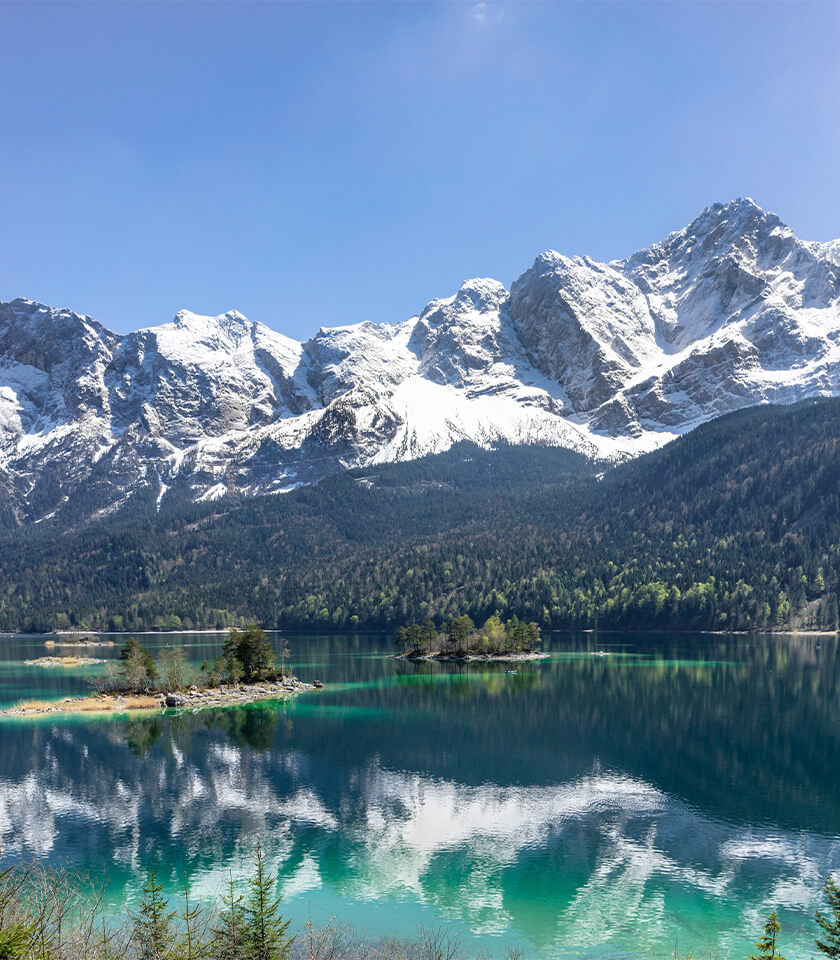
608 359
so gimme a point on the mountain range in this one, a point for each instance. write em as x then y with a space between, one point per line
606 359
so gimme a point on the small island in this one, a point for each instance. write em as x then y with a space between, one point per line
62 662
244 673
76 641
460 640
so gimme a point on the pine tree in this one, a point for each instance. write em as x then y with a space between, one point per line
830 945
153 924
14 942
266 928
767 944
138 662
104 946
230 937
251 648
190 945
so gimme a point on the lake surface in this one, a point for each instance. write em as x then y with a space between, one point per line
671 792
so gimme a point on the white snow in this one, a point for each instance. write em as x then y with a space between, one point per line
607 359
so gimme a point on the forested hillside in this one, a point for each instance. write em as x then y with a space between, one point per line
734 526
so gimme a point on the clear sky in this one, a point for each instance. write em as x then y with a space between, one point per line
319 164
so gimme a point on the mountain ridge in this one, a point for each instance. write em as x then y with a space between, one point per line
607 359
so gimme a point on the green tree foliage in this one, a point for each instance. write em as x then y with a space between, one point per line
153 925
267 931
462 638
415 636
830 925
251 648
230 934
227 668
138 666
735 526
768 942
14 942
190 944
458 632
15 937
172 669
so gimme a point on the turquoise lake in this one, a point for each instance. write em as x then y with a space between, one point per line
629 794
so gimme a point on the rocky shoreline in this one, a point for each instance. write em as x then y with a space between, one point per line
193 698
437 657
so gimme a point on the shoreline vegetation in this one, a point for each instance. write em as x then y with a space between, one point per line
245 672
58 913
461 641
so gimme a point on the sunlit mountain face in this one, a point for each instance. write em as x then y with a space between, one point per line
607 359
625 794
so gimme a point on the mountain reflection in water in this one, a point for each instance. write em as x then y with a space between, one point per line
675 790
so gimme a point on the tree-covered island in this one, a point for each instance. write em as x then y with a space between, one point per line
460 639
244 672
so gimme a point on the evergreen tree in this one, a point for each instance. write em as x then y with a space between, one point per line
415 637
14 942
830 944
252 649
231 669
15 938
266 928
459 630
768 942
153 932
429 634
230 936
190 945
104 948
138 665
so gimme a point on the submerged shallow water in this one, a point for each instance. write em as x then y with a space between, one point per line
670 793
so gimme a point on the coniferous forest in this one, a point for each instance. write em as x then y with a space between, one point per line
735 526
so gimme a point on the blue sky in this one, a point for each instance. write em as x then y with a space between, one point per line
318 164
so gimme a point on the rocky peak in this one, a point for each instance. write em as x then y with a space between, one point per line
606 358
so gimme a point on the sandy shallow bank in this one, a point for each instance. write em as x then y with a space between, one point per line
193 699
62 661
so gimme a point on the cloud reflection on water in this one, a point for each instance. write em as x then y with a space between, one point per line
609 860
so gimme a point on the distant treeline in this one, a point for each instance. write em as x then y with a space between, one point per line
735 526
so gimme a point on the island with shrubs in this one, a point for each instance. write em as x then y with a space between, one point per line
461 641
244 672
75 640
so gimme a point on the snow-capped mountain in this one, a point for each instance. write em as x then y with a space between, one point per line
610 359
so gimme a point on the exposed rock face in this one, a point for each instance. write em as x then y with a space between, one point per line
608 359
